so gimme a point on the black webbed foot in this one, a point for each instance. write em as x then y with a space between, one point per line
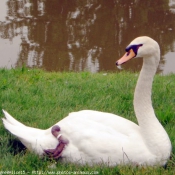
56 153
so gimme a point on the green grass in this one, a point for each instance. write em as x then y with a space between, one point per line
40 99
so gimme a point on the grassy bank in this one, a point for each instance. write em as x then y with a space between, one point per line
40 99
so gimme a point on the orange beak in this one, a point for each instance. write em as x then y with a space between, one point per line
127 56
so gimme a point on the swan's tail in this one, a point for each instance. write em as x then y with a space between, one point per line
10 120
14 126
25 134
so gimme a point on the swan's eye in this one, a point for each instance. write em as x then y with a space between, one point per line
128 53
134 47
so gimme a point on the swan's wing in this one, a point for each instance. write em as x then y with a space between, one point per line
95 135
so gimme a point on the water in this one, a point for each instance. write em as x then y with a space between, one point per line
78 35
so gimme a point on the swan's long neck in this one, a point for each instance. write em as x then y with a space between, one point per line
142 96
152 131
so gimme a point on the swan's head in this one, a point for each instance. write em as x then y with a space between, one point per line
142 46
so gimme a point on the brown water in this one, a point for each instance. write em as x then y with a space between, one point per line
78 35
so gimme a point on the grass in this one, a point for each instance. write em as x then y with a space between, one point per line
39 99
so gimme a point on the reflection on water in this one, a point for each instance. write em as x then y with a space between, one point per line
77 35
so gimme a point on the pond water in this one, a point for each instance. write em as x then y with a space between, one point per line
78 35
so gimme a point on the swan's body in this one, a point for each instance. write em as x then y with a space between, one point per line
96 137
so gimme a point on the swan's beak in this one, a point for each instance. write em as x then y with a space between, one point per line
127 56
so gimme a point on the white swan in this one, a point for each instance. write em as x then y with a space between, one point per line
93 137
